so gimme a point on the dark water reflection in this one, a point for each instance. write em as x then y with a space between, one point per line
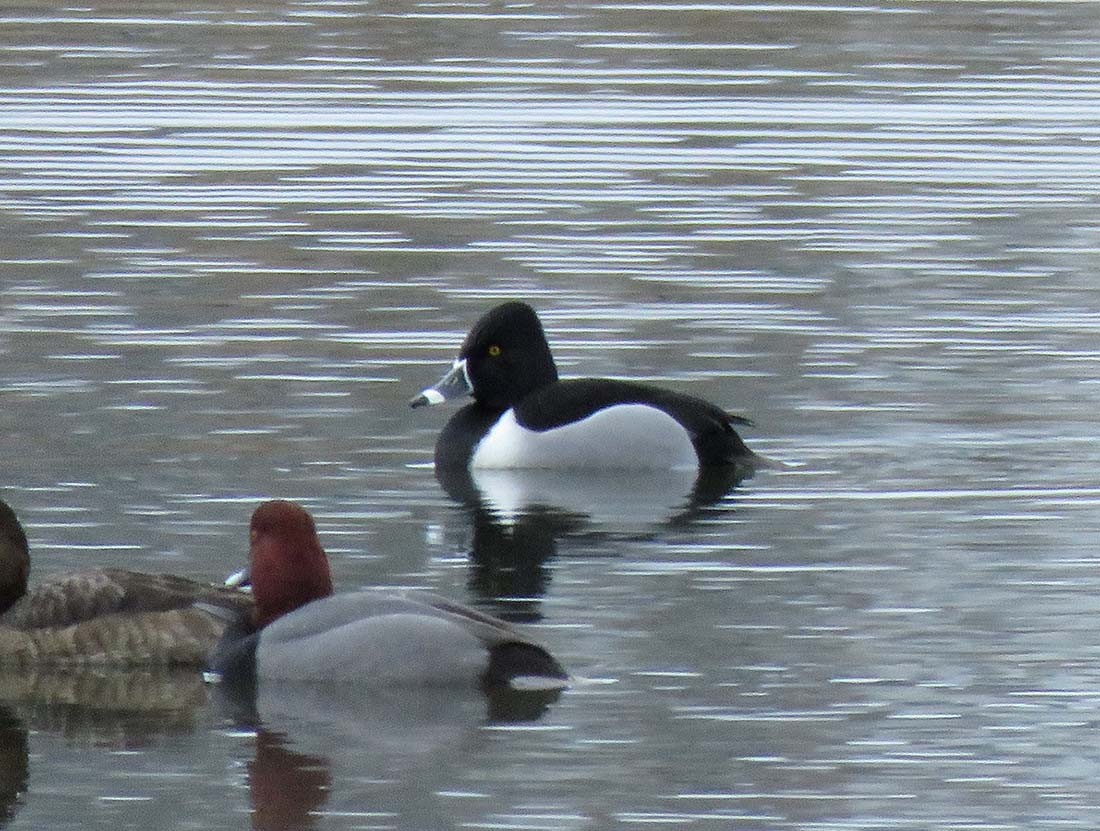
118 708
308 737
236 239
516 518
99 713
14 767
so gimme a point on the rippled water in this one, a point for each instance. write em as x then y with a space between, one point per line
237 238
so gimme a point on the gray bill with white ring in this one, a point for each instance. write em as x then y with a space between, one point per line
455 384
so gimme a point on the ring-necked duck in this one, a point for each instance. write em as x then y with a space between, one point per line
524 417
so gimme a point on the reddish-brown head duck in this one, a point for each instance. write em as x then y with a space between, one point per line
287 566
301 631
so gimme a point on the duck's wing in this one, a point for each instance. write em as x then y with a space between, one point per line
85 596
387 635
512 652
490 630
712 429
335 611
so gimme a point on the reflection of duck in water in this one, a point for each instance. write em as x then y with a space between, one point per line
99 708
106 706
14 765
317 746
509 570
287 788
519 520
300 631
103 616
617 501
524 417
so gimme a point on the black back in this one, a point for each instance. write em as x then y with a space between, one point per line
710 427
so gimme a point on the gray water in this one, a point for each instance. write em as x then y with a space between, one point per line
236 238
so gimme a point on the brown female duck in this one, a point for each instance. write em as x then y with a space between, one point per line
104 616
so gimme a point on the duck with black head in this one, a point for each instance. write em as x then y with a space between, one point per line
523 416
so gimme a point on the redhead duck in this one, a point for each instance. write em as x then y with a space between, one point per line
300 631
524 417
104 616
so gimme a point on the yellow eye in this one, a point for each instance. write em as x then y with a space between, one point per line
494 351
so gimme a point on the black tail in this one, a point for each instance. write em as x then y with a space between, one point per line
511 660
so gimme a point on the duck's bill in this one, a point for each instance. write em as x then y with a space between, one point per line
454 384
239 580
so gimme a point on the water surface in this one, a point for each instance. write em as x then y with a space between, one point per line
236 240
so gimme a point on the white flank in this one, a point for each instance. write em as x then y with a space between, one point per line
626 436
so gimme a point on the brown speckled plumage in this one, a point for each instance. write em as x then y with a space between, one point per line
178 637
105 617
74 598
